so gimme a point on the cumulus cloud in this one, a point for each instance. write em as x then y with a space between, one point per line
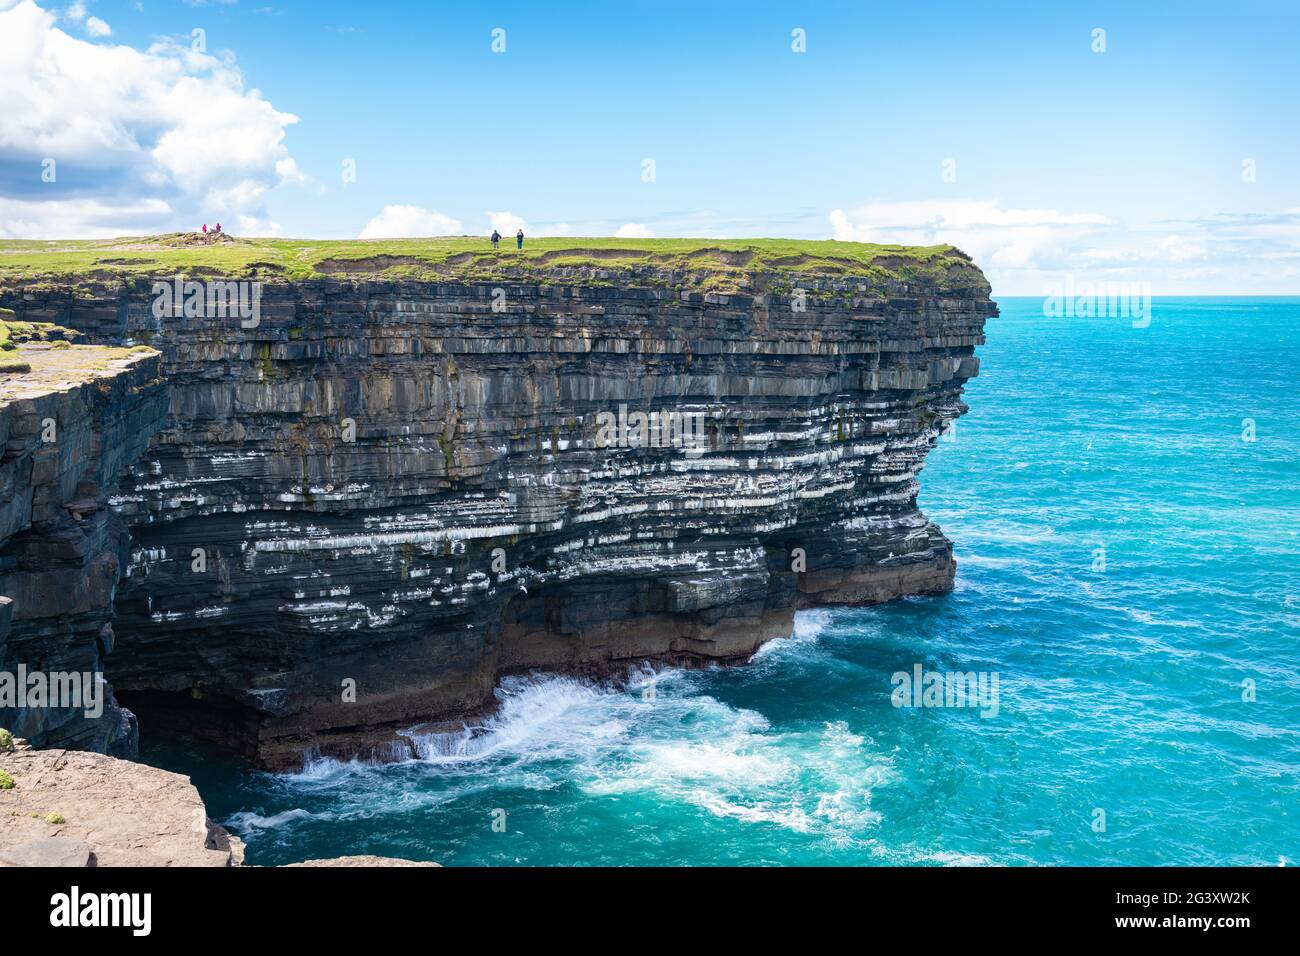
404 222
994 235
504 222
507 223
83 218
97 27
1023 250
633 230
125 126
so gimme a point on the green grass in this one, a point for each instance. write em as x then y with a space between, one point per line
719 264
13 333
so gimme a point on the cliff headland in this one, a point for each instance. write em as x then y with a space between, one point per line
319 492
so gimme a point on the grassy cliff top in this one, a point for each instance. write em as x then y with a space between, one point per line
38 357
471 257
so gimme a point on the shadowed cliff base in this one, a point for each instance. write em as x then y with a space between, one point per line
379 494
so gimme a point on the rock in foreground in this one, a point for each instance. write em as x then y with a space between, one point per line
74 808
69 805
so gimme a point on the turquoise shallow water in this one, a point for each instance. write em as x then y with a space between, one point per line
1120 688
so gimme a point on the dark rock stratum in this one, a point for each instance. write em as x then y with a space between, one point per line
365 509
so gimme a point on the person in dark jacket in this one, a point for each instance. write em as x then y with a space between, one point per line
496 238
519 239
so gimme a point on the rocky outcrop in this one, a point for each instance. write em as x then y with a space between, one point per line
71 418
384 494
76 809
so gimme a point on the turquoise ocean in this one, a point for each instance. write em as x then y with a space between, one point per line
1128 565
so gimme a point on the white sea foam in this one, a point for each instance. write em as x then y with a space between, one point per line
949 858
246 820
538 718
808 627
998 532
654 736
985 561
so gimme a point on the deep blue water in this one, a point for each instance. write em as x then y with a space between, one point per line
1120 688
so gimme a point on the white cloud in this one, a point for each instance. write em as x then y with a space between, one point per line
98 28
633 230
1180 249
993 235
166 123
507 223
402 222
83 218
76 13
1024 250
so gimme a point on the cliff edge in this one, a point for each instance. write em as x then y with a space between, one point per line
398 470
72 416
78 809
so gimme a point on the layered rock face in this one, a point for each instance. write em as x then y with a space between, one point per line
387 493
69 425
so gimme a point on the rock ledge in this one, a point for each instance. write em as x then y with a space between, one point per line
75 808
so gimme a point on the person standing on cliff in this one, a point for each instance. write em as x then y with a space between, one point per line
205 228
519 239
496 240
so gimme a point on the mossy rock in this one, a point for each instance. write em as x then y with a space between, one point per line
54 818
6 781
14 365
6 741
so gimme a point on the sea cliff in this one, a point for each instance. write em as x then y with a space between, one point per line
420 467
72 417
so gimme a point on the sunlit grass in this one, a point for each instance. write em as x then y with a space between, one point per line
721 262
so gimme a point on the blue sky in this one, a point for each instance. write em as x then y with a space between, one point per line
1171 159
